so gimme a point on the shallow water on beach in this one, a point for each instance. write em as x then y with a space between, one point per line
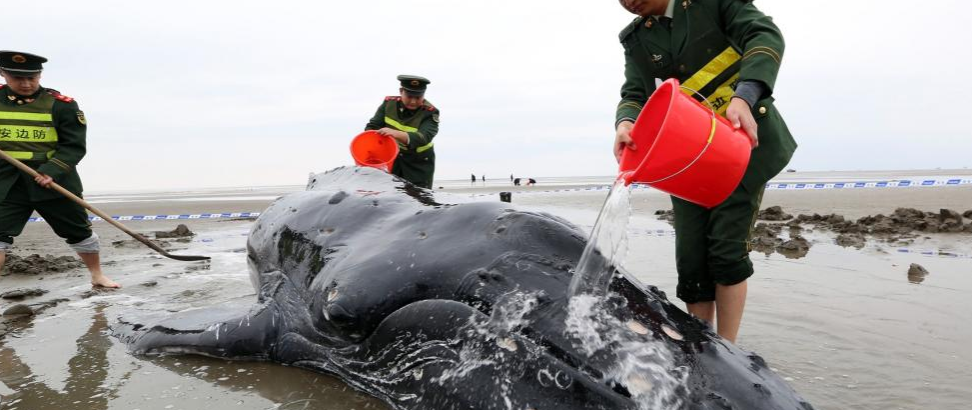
65 357
845 327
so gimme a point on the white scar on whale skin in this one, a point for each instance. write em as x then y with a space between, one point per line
507 344
672 333
637 327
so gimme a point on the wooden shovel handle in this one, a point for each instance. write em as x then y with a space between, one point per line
30 171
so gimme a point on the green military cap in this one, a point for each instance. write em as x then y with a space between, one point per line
21 64
414 84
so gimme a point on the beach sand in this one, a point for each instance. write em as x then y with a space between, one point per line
845 326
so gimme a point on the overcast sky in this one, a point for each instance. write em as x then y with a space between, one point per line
182 94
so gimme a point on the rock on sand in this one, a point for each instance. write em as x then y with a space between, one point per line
917 273
22 293
774 213
180 231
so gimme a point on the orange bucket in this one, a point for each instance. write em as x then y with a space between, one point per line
685 149
371 149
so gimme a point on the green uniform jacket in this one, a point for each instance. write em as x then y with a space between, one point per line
416 161
711 46
71 129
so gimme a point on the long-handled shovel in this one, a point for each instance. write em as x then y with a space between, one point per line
103 215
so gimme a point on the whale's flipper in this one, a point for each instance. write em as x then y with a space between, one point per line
229 333
243 333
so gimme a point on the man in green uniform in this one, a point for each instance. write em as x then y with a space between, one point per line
730 52
413 122
46 131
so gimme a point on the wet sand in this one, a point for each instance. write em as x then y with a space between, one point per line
845 326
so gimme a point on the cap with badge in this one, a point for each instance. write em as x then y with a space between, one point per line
21 64
413 84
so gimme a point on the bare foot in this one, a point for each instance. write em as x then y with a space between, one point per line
102 281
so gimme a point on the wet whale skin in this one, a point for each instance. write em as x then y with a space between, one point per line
431 302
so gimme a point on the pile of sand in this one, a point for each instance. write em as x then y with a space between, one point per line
36 264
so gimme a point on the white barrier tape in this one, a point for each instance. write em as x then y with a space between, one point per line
904 183
935 253
170 217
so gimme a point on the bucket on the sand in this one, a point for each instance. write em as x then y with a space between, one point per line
371 149
685 149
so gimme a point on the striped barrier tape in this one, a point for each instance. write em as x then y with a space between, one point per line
170 217
770 186
934 253
904 183
661 233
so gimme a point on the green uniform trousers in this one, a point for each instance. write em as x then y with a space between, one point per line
416 168
712 245
68 219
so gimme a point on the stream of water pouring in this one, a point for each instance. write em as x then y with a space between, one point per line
606 246
643 366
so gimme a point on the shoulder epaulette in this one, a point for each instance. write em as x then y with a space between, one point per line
60 97
630 28
2 85
429 107
393 98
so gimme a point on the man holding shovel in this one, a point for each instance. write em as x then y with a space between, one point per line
728 52
45 130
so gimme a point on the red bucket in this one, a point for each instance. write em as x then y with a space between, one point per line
371 149
685 149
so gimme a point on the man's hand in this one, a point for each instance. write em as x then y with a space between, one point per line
740 115
623 139
44 180
399 136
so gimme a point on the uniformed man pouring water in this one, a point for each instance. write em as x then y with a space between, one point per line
413 122
730 52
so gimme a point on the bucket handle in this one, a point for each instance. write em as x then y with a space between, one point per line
708 143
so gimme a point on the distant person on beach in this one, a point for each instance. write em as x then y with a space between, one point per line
46 130
472 177
413 122
730 52
484 178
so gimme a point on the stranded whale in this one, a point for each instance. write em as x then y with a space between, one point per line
428 304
